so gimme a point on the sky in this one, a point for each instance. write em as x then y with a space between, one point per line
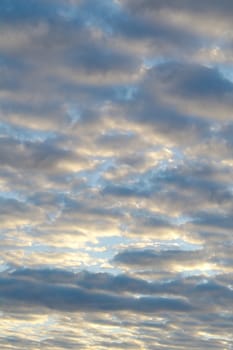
116 174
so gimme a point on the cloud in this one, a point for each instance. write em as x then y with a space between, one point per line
101 292
72 298
115 180
210 6
158 259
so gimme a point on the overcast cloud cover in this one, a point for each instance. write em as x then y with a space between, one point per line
116 174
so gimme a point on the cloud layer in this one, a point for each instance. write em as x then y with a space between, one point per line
116 194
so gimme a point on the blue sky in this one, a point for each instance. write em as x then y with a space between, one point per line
116 168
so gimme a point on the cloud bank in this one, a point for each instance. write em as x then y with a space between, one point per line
116 156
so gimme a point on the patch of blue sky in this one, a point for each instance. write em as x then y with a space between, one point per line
25 134
44 247
100 14
208 272
119 132
176 157
68 12
227 71
114 270
98 261
52 217
3 267
74 113
150 62
12 195
126 93
164 245
111 244
93 178
183 245
181 220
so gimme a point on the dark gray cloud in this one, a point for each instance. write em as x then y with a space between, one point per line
209 6
182 101
191 181
102 292
30 154
158 259
70 298
192 80
154 32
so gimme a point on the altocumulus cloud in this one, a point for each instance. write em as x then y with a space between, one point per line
116 194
